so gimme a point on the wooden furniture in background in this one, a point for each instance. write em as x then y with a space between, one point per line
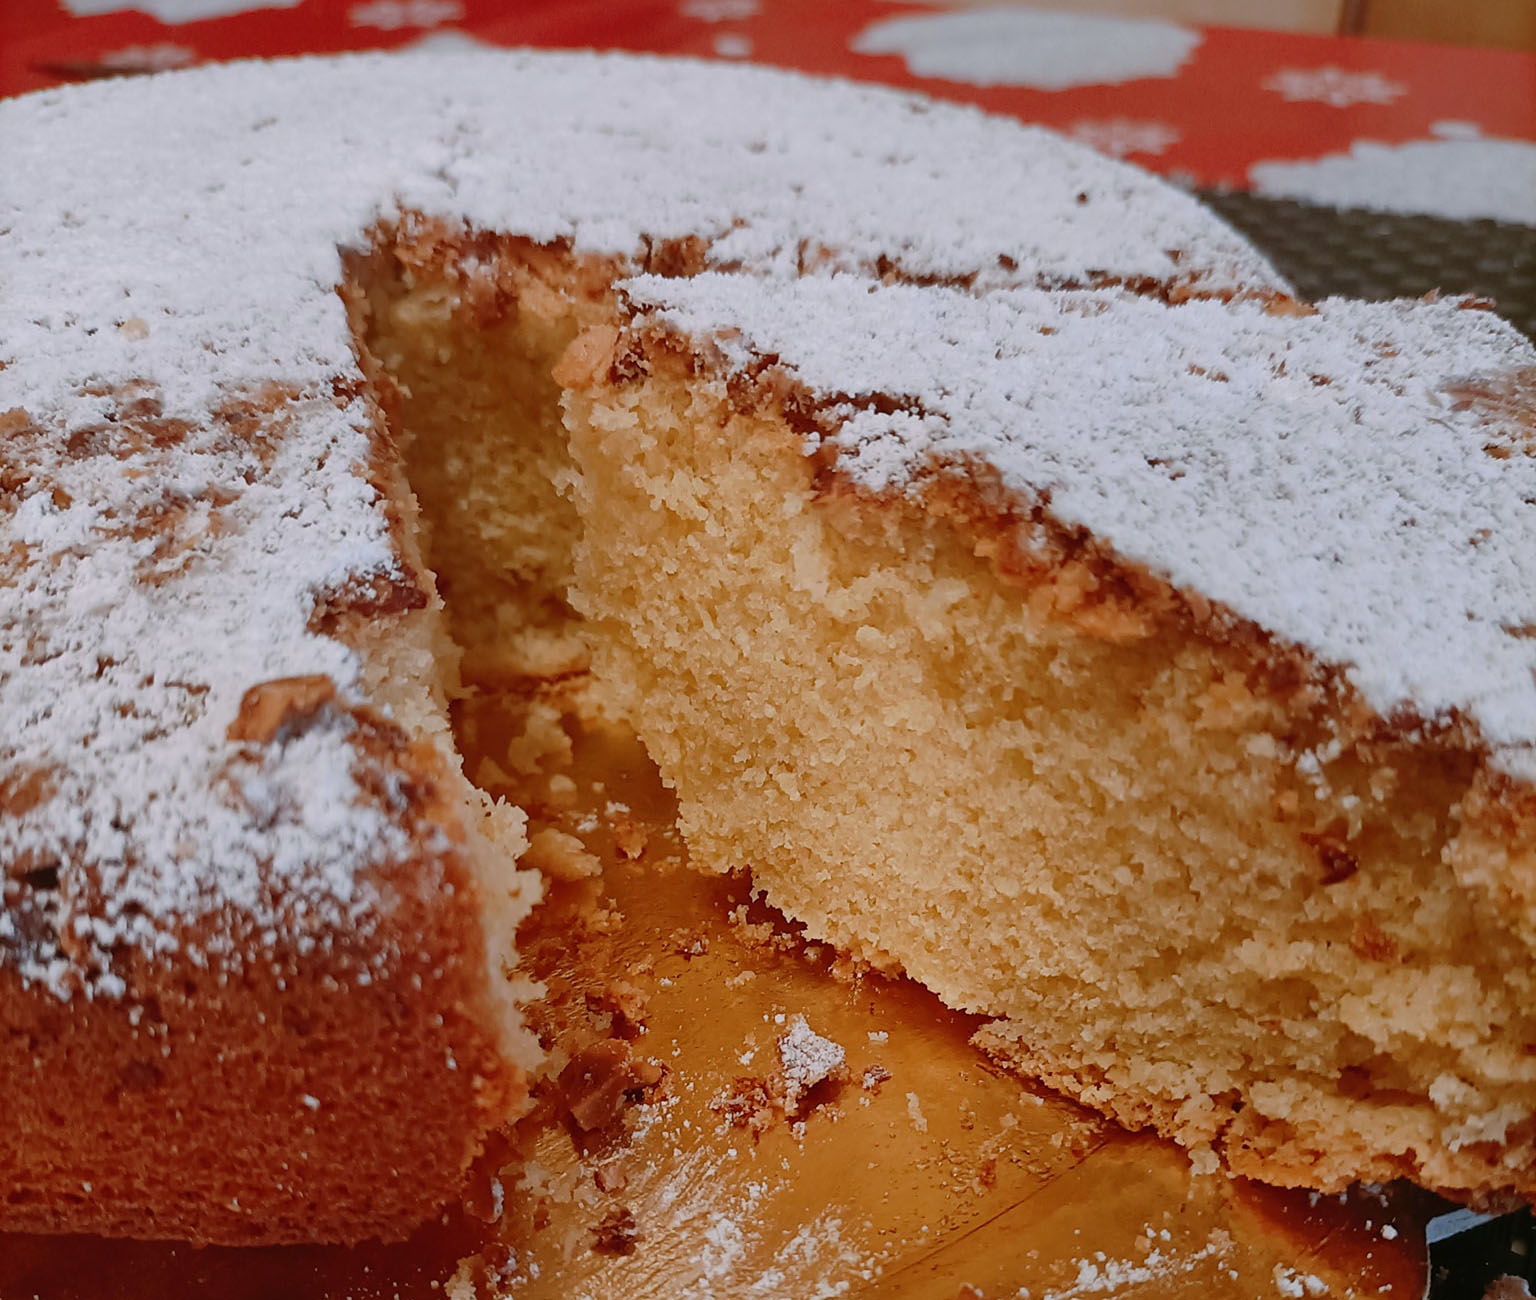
1505 24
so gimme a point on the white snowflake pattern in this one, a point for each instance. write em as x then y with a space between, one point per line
392 15
1461 177
1336 87
1037 48
720 11
1119 136
149 58
730 45
175 12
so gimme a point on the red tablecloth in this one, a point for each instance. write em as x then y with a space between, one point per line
1206 106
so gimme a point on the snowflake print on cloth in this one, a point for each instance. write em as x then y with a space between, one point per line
174 12
1336 87
719 11
1040 49
1119 136
1458 174
149 58
392 15
730 45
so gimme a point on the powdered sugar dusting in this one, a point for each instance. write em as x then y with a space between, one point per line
158 570
233 272
1107 1276
806 1059
1324 476
169 255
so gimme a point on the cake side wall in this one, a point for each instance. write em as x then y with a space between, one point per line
285 1097
267 1075
1200 901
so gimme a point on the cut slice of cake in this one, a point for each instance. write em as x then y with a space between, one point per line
1155 679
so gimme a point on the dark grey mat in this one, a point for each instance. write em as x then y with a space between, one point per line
1362 254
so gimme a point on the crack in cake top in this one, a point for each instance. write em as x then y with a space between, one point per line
170 249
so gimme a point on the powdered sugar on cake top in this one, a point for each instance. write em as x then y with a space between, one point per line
170 248
155 571
1324 476
212 203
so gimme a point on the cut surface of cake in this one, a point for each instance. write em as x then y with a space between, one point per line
1156 679
254 920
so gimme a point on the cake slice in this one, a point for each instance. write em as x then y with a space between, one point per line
1155 679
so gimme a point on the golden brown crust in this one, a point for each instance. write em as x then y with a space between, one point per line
293 1096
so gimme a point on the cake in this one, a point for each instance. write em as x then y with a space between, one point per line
330 387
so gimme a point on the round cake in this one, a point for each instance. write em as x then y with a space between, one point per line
959 517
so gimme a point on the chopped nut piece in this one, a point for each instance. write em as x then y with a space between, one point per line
589 354
281 705
618 1232
595 1083
610 1178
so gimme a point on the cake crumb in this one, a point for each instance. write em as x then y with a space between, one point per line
1295 1286
874 1076
629 838
749 1103
807 1059
543 741
617 1233
915 1110
485 1275
1203 1162
489 774
560 856
626 1005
